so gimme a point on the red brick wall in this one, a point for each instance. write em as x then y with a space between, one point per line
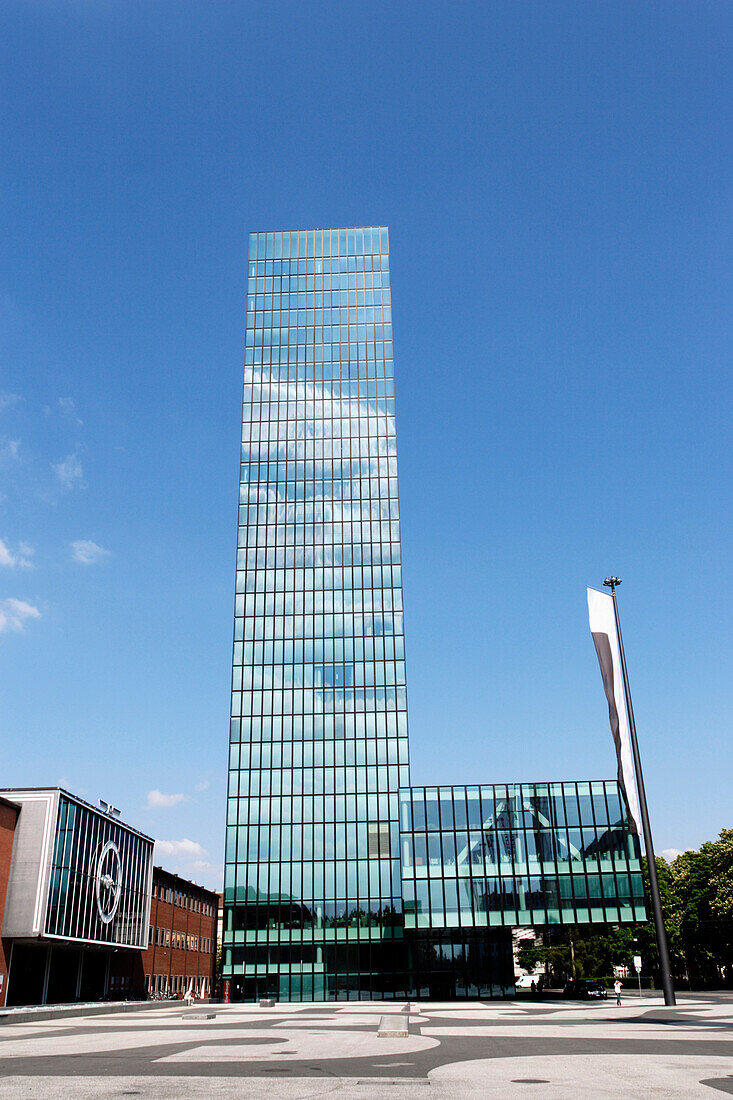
8 818
180 955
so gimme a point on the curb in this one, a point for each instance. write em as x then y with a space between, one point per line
33 1014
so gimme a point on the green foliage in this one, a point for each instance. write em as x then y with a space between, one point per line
697 902
721 879
530 955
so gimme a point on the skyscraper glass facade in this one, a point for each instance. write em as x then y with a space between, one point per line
319 711
341 881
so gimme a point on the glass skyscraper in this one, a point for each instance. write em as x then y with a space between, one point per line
319 711
319 786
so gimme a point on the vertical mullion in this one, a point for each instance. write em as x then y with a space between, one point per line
74 864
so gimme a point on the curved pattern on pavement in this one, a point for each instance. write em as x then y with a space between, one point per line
546 1050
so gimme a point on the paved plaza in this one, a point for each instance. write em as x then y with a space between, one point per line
550 1051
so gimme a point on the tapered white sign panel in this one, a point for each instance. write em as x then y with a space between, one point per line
605 637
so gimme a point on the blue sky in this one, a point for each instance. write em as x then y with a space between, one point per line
556 179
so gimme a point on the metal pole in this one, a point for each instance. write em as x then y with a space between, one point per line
664 964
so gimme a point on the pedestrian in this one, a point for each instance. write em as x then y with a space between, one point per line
617 987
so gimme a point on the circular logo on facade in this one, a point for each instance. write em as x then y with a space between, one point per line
108 881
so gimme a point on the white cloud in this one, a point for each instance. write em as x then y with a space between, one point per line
14 614
7 400
211 871
185 849
69 472
88 552
158 800
20 557
203 785
10 450
188 858
670 854
203 865
68 409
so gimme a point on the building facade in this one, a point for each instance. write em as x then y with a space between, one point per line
78 893
324 897
84 914
479 862
181 952
8 819
319 709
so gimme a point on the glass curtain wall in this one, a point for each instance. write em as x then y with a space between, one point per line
318 710
100 879
529 854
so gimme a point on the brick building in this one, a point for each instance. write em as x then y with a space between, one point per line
182 946
8 817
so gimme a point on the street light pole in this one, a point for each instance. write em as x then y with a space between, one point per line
661 933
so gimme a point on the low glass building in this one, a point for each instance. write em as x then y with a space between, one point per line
341 881
478 861
529 854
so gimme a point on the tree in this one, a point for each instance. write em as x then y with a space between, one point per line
645 936
697 904
719 854
530 954
691 918
721 881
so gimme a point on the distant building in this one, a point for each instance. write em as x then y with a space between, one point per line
183 928
84 914
77 893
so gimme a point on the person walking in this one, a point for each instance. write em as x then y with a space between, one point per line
617 987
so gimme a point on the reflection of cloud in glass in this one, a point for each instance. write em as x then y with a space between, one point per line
320 405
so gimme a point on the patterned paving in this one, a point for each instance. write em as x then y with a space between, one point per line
497 1049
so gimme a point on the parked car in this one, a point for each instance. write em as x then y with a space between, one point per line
584 987
525 981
